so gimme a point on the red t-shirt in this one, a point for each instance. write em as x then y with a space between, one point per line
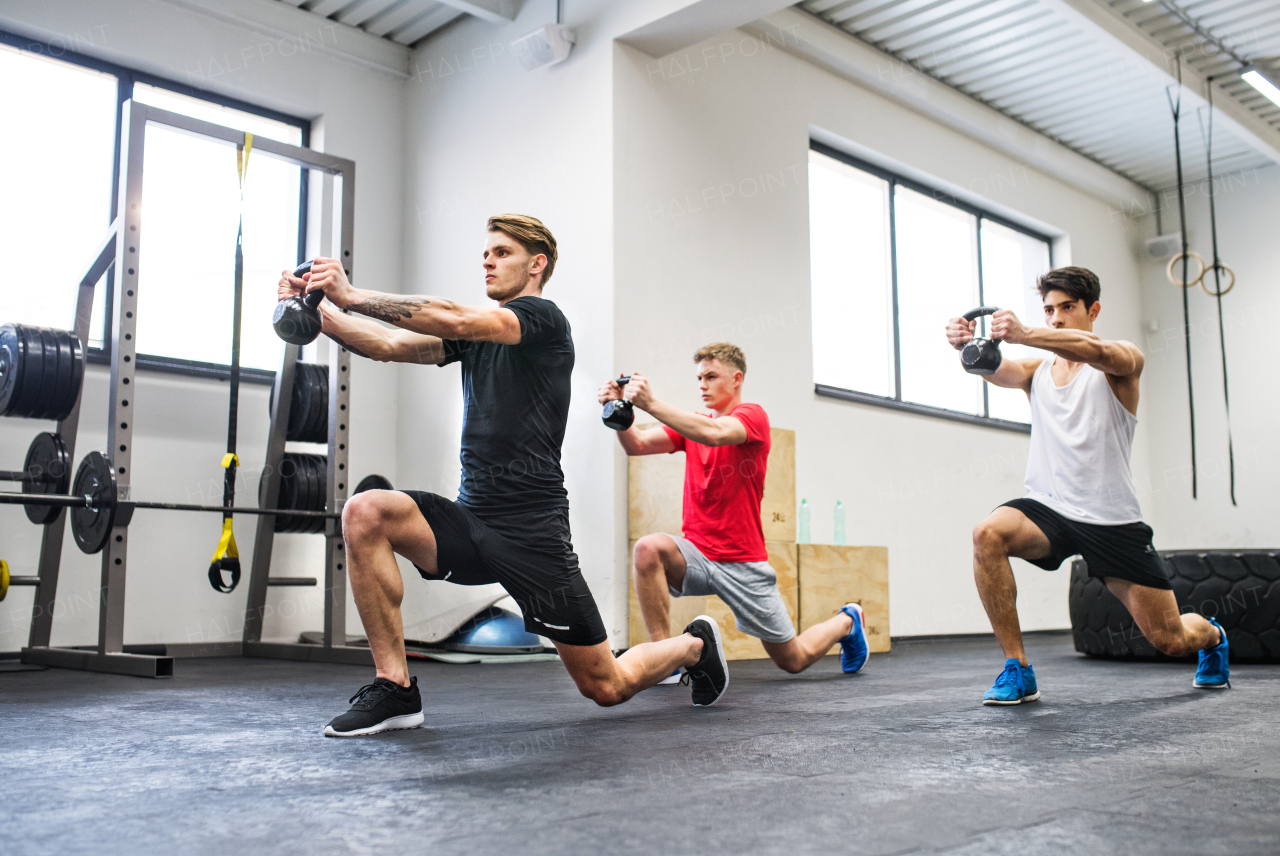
722 490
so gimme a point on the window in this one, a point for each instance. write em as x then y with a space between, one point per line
891 260
69 109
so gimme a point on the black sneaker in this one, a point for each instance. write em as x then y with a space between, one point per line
381 706
710 675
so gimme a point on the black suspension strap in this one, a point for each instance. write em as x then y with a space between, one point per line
1218 267
226 558
1176 109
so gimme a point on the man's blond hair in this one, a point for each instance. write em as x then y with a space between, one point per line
726 352
531 234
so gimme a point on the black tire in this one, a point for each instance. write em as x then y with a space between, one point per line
1240 589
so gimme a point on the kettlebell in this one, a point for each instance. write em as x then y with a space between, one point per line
618 414
297 319
981 356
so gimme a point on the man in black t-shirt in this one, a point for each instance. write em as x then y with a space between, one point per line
510 523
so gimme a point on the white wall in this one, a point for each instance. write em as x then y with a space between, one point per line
698 258
1248 205
181 423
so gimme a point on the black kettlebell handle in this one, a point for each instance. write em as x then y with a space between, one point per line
973 314
313 298
980 311
624 380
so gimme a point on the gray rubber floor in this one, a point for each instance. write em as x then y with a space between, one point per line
228 758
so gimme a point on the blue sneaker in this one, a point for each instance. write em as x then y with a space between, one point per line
853 648
670 681
1016 684
1213 672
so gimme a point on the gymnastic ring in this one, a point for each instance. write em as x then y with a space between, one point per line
1222 266
1191 254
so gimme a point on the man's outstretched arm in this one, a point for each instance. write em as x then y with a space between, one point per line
367 338
722 431
1116 358
432 316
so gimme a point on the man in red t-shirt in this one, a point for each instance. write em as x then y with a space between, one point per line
722 551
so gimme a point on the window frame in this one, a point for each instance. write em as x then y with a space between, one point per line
896 403
126 77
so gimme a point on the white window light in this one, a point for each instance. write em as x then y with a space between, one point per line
1254 78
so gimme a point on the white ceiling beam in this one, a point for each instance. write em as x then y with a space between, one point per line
832 48
688 22
282 21
1111 27
493 11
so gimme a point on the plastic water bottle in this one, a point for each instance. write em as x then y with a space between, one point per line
803 524
839 530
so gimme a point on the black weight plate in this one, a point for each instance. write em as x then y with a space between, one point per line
373 481
92 526
300 410
32 364
11 357
58 394
302 499
315 495
47 398
303 393
307 382
74 377
289 479
320 431
322 492
49 464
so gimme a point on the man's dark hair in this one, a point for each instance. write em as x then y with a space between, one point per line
1075 282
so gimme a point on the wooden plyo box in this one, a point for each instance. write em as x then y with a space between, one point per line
831 576
737 645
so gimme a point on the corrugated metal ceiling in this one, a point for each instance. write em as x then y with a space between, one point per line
403 21
1040 67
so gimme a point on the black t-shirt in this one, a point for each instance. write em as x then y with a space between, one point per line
517 404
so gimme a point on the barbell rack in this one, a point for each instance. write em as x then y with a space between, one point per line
120 250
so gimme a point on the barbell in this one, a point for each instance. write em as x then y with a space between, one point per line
96 508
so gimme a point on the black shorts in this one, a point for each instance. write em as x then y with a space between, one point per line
529 554
1123 551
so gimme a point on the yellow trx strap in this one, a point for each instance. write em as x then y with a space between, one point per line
226 558
227 555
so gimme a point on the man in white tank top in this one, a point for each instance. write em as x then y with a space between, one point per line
1080 497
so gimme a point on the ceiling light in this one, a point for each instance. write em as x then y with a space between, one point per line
1255 79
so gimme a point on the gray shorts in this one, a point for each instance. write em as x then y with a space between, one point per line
750 589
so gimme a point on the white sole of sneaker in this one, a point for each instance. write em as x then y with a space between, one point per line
1225 686
673 681
724 664
395 723
994 702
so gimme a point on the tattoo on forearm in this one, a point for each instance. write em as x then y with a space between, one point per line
352 348
389 309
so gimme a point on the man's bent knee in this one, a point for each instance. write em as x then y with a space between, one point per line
602 693
988 538
1170 644
790 664
648 554
365 514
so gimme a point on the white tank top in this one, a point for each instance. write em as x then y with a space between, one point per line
1081 439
